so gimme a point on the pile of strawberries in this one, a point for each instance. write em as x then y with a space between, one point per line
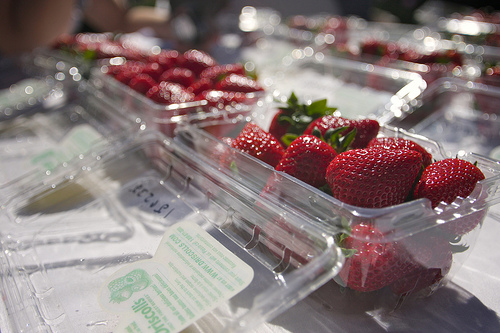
168 76
349 160
171 77
96 46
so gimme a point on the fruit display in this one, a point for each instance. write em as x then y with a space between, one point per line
165 85
345 169
170 77
358 179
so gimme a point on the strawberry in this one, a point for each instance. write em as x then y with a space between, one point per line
126 72
166 58
291 120
154 70
200 86
255 141
142 83
178 75
307 159
372 263
219 98
430 257
217 72
445 181
448 179
238 82
373 177
401 143
366 129
196 61
169 93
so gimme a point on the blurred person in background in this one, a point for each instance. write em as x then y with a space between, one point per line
27 24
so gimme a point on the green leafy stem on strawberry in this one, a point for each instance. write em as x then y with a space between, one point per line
292 119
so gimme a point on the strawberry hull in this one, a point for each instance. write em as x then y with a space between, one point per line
399 227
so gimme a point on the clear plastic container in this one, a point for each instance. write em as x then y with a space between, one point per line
30 94
66 238
355 88
61 65
403 224
405 47
162 117
464 115
57 131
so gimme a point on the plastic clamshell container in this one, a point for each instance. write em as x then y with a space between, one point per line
355 88
60 249
463 114
28 95
401 225
57 63
57 131
161 117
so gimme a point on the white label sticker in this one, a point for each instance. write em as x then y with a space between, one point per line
190 274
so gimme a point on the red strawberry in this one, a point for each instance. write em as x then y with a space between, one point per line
196 61
237 82
255 141
448 179
154 70
126 72
169 93
142 83
372 262
307 159
166 58
431 258
217 72
366 129
294 118
374 177
200 86
401 143
219 98
179 75
445 181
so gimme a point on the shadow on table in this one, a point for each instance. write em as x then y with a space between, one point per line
450 309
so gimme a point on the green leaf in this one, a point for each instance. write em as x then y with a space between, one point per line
349 252
346 140
288 138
